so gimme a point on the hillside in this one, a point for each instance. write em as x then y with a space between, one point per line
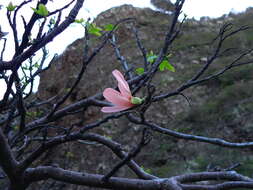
222 107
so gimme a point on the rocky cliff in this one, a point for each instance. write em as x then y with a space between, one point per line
219 108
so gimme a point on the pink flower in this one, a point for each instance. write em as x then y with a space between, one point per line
121 99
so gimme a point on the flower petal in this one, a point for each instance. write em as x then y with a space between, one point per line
116 98
113 109
122 84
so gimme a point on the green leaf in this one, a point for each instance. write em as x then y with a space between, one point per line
79 21
166 65
171 68
42 10
34 9
36 65
93 29
137 100
11 7
139 71
109 27
151 57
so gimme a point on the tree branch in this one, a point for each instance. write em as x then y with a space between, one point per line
7 160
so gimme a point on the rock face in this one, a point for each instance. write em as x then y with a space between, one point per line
164 156
164 5
65 69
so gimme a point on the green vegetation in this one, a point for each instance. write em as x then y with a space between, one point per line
221 108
